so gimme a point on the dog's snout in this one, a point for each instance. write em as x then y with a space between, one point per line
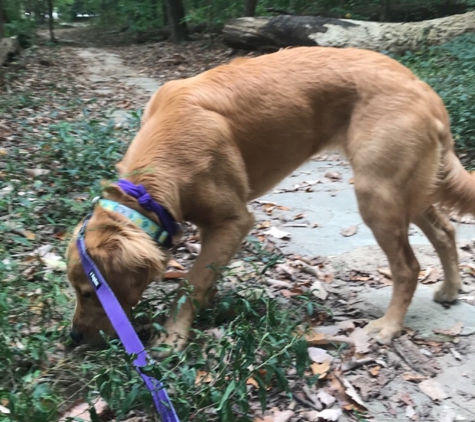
75 335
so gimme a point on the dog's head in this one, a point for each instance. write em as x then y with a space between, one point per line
127 257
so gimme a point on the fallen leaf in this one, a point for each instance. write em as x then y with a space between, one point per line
333 176
253 382
277 233
361 340
385 272
432 389
4 410
36 172
172 275
175 264
452 331
299 216
263 225
194 248
375 371
318 355
350 390
318 290
410 412
349 231
413 377
320 368
326 415
283 416
351 181
325 398
203 377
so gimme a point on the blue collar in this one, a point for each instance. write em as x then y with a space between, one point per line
157 233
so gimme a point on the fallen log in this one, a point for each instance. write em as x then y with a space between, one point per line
272 33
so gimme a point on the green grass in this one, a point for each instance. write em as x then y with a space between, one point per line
256 332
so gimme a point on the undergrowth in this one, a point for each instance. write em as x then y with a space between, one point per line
450 70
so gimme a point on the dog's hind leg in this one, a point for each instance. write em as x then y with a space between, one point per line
441 234
385 213
220 241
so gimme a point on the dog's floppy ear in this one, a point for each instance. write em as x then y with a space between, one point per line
128 257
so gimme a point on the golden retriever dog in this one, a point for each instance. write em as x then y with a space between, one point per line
211 143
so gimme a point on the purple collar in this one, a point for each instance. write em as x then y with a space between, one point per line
146 201
124 329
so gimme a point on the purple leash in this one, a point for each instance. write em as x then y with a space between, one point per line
123 328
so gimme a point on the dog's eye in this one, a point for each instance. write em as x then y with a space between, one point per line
86 295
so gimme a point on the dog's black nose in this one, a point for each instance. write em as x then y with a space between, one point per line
76 336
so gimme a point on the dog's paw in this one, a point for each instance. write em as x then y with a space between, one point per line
446 294
167 344
383 331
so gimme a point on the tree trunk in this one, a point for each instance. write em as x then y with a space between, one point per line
250 8
272 33
2 20
51 21
176 16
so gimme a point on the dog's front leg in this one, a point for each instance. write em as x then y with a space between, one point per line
219 244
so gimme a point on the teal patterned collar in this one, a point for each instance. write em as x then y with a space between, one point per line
156 232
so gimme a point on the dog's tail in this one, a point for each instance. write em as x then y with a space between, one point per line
456 190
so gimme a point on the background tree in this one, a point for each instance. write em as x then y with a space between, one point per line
51 20
176 18
250 8
2 20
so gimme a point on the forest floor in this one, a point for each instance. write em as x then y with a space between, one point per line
309 261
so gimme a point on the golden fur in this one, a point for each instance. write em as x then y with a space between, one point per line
211 143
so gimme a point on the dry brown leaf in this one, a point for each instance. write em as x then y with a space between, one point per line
203 377
28 234
375 371
252 381
318 290
263 225
299 216
351 181
350 390
413 377
385 272
320 368
318 355
361 340
452 331
3 151
333 176
172 275
432 389
175 264
349 231
432 277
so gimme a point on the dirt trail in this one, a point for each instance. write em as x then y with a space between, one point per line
107 71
